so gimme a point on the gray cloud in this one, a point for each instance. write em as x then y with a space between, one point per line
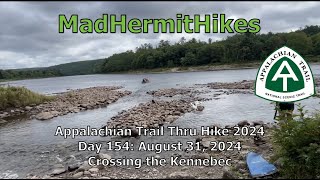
29 30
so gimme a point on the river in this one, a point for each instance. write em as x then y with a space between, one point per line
31 147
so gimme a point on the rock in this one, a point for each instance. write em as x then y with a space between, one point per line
243 123
12 111
228 174
201 156
73 167
58 171
145 80
241 165
104 156
184 168
206 142
242 171
181 175
200 108
3 121
86 173
94 170
279 163
198 139
258 140
85 166
44 116
28 108
134 132
78 175
257 123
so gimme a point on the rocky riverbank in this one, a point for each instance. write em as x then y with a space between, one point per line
72 101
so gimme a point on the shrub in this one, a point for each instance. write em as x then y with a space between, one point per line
11 97
297 143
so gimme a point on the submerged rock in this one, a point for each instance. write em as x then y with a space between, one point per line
145 80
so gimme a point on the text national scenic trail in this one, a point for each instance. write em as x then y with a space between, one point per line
212 23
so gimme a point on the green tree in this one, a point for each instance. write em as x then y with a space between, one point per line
300 42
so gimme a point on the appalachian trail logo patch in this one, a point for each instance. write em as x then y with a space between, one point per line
284 77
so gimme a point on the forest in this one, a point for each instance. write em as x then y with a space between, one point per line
239 48
28 74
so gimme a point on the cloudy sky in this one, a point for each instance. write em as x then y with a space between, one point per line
29 30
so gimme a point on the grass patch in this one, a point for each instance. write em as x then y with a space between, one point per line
13 97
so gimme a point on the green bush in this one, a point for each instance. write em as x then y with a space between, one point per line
297 143
19 97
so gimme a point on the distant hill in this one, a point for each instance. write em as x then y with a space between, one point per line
67 69
78 68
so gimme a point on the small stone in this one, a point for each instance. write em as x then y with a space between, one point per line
228 174
200 108
85 166
279 163
243 123
3 121
94 170
28 108
104 156
241 165
86 173
198 139
184 168
73 167
78 175
242 171
256 123
181 175
58 171
201 156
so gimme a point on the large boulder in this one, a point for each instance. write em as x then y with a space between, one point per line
44 116
47 115
145 80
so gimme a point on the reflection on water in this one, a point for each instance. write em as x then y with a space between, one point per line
30 146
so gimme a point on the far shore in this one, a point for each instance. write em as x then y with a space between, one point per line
210 67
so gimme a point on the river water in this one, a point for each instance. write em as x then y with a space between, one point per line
31 147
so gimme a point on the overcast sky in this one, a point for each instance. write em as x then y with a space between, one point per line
29 30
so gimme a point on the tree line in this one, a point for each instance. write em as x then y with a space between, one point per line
238 48
26 74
